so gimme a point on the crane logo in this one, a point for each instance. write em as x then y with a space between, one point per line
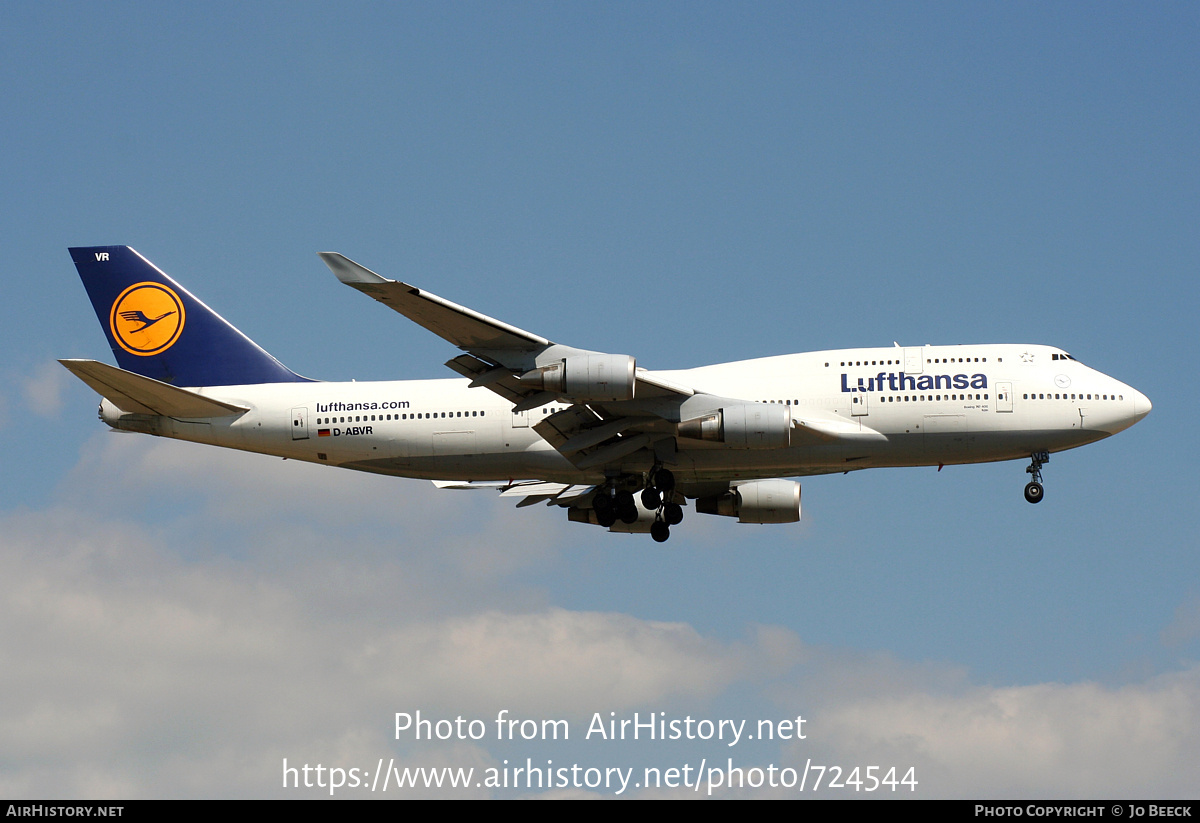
146 319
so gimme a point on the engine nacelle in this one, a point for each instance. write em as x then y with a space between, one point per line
587 377
759 501
744 426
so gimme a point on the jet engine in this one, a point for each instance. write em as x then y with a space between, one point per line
587 377
745 426
758 501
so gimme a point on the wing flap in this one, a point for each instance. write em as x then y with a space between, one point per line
483 374
535 489
531 492
560 427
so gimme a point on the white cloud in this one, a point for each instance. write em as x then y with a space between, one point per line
130 671
184 619
558 662
1048 740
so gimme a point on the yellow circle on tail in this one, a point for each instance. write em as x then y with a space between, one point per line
146 318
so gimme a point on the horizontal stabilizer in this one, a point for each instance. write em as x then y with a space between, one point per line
135 394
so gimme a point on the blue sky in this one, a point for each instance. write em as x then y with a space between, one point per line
689 183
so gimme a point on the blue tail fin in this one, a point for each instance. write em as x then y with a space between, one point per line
158 329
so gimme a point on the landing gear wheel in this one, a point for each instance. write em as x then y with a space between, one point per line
651 499
664 481
1033 492
673 514
602 502
605 508
627 510
660 531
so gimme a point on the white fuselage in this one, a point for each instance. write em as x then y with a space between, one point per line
932 404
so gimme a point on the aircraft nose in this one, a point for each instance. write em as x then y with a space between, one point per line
1141 405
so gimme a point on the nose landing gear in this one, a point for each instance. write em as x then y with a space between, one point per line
1033 490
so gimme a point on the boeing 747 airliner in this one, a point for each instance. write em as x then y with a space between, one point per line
612 443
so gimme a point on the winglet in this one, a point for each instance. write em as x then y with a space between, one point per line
348 271
465 328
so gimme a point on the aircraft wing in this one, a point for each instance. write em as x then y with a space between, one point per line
467 329
622 410
498 353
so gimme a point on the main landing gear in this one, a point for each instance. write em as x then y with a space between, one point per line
612 504
1033 490
657 496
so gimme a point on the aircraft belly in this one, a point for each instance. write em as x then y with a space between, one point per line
950 442
945 435
542 465
960 447
195 431
226 433
707 464
481 453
